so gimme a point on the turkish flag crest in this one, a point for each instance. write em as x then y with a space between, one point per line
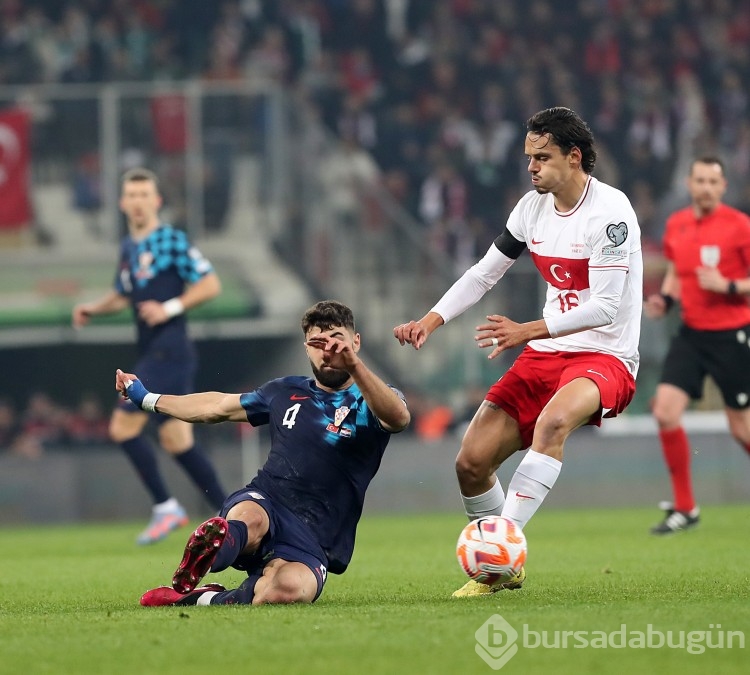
15 202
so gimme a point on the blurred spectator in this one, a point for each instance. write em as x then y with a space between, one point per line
359 75
217 180
44 424
602 50
430 419
29 434
434 422
444 208
642 198
87 196
10 427
270 59
44 421
732 107
356 122
347 173
88 424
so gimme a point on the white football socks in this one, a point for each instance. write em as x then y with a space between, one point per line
205 598
168 506
533 479
488 504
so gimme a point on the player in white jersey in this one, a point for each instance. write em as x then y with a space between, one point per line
581 358
580 254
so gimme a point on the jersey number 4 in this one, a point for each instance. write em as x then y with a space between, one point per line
290 415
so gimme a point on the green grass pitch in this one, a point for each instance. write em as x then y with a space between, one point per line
69 602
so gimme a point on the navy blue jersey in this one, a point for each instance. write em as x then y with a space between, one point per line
325 449
158 268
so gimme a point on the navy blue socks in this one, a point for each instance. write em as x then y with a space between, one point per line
234 543
239 596
202 473
142 456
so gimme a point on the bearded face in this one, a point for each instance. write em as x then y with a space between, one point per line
333 378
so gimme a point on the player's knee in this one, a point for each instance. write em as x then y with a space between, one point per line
175 439
126 425
470 469
286 590
257 526
291 584
174 448
120 433
668 406
552 428
665 416
740 432
116 434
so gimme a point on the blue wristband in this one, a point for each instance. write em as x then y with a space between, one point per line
136 392
141 396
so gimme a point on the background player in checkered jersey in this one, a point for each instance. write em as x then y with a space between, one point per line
707 246
581 359
160 276
297 519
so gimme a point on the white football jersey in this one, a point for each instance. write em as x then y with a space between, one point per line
600 233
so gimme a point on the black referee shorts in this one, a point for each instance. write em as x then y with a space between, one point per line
724 355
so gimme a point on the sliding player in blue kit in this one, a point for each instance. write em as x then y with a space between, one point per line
296 520
161 275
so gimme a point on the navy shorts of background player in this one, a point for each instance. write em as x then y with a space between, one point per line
158 268
325 449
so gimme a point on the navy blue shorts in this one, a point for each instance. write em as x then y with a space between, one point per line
163 376
287 538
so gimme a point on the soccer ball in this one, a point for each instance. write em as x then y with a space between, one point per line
491 550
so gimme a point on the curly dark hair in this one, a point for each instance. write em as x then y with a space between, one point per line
327 314
568 130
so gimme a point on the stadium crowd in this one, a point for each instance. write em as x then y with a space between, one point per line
41 423
430 97
438 92
44 424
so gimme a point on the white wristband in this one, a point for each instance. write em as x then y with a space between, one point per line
173 307
149 402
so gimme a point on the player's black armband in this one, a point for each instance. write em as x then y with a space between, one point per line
668 301
508 245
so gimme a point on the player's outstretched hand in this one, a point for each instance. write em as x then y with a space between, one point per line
130 387
500 333
412 333
123 381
